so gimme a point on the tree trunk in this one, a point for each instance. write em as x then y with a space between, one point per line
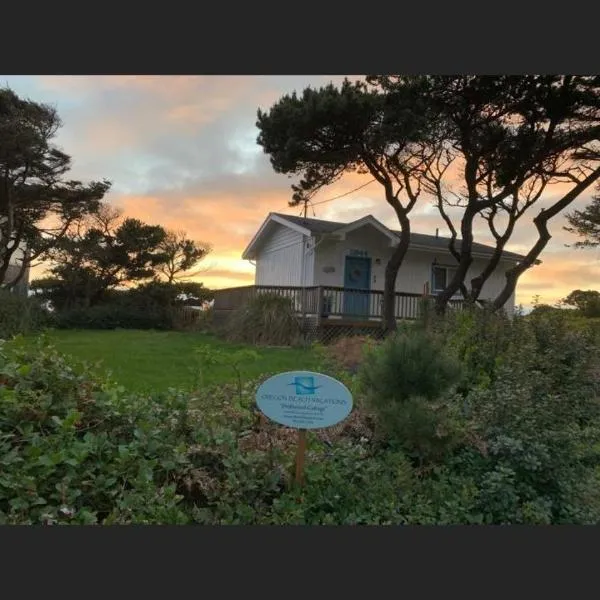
478 282
541 224
466 259
391 274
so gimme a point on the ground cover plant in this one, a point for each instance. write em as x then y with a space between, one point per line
507 432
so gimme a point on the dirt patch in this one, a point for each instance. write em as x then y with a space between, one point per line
266 436
348 352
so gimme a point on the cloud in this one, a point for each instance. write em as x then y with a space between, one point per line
182 152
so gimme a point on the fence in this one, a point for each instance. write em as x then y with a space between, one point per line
328 303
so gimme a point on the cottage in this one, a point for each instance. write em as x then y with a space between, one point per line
337 270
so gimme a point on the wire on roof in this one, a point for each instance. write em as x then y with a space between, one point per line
360 187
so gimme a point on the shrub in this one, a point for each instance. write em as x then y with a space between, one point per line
406 382
155 305
267 319
74 448
77 449
523 448
540 420
348 486
114 315
19 314
475 337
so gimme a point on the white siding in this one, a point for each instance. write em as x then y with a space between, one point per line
279 260
333 254
414 272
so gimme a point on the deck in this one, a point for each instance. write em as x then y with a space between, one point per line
329 305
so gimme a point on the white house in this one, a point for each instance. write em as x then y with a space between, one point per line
297 252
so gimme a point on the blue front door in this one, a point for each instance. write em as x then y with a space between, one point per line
357 276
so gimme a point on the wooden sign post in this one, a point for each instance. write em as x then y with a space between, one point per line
300 454
304 400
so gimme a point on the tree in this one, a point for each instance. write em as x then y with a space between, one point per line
326 133
37 203
587 302
586 224
181 255
178 293
101 252
507 139
486 147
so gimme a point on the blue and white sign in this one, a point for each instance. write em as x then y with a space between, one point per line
304 400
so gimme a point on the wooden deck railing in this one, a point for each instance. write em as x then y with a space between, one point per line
325 301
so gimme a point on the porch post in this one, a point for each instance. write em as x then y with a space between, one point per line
320 300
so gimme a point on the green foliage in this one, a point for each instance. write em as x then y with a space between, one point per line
181 254
266 319
523 446
20 315
154 305
406 382
476 338
586 302
586 224
180 293
76 449
34 178
115 314
539 424
348 486
208 357
97 254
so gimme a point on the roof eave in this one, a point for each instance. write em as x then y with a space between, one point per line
368 219
250 251
513 258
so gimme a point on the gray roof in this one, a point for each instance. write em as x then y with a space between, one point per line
319 226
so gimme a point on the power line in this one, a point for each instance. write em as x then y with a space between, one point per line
360 187
313 204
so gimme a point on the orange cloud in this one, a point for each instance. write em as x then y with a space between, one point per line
175 147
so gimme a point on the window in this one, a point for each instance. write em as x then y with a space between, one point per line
440 277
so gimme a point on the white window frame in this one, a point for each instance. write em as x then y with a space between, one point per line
449 274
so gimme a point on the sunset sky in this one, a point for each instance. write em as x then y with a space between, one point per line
181 152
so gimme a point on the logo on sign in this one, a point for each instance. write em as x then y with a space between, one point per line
305 385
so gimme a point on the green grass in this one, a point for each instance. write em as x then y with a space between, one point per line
152 361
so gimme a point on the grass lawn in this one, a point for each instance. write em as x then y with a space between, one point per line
147 361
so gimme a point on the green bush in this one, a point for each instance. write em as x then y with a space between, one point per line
539 420
267 319
77 449
131 309
348 486
20 315
475 337
523 448
155 305
114 315
406 382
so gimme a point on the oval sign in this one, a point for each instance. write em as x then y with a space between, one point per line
304 400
